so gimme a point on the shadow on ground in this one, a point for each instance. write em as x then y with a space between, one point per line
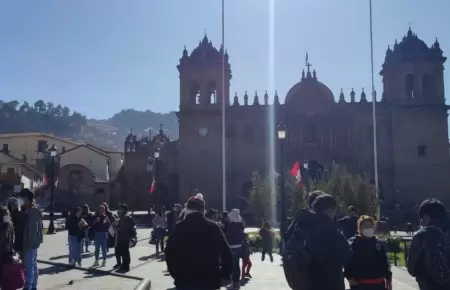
52 270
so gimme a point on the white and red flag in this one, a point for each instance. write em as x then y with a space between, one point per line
296 173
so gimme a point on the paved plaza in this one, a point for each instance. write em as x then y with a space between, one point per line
146 264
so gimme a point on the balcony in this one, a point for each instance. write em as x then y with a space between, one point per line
10 177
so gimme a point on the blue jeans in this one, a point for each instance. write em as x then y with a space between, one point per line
101 242
86 239
31 269
75 246
237 254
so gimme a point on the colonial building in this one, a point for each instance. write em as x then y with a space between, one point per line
16 174
85 173
412 133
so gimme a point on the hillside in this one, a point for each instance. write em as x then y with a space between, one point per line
50 118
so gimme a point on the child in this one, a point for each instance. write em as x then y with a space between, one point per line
246 262
267 236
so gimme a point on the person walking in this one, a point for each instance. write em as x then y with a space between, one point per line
369 267
235 231
125 232
316 251
197 253
246 261
32 238
160 228
267 237
88 216
76 227
100 228
429 254
6 241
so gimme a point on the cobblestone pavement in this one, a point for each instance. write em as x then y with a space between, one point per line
60 278
146 264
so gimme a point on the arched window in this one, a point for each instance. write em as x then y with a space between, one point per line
212 90
194 93
427 86
410 88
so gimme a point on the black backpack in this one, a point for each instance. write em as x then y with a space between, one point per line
439 269
297 259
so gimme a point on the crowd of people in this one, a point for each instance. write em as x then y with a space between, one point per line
21 234
204 249
106 230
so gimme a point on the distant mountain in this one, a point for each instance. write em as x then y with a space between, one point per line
141 123
110 133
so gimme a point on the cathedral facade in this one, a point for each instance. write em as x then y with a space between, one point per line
412 130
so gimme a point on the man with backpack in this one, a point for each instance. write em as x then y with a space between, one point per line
316 251
429 255
311 198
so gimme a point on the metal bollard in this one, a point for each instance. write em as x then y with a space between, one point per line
145 284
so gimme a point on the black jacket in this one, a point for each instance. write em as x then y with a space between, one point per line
101 223
421 256
18 219
197 254
73 227
330 250
348 225
369 259
235 233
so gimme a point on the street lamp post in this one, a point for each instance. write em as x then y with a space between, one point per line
155 170
281 130
53 152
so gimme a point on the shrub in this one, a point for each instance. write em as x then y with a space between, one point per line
255 241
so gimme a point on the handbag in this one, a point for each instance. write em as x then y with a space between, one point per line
15 273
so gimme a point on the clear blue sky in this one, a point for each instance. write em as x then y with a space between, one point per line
100 56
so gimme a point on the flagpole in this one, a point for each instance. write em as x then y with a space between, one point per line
224 186
374 119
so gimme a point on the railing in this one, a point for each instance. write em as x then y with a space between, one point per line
400 255
145 284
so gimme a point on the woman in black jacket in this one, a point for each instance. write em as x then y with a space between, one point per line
76 227
369 267
235 234
100 228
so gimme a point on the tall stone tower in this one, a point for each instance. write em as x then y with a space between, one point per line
204 87
413 85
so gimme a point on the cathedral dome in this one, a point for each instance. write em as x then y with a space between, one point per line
309 91
411 45
205 50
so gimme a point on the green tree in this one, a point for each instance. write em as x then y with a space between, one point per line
260 196
347 188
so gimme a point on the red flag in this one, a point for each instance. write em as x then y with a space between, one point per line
296 173
47 181
153 186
